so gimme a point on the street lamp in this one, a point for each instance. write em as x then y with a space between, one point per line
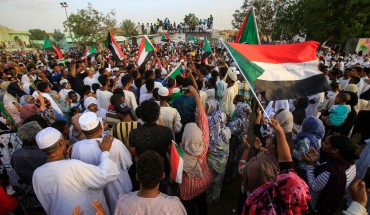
64 5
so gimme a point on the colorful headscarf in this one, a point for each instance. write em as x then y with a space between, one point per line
13 111
288 194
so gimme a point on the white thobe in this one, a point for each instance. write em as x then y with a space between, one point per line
103 97
54 105
130 99
89 152
143 89
62 185
311 109
227 104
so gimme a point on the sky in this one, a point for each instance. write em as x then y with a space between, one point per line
48 15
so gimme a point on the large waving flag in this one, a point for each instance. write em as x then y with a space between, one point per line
165 37
52 47
114 48
90 52
146 51
177 162
281 71
206 50
248 32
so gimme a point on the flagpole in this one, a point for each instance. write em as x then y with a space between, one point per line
171 72
255 23
241 71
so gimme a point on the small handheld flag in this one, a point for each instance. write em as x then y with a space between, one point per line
177 162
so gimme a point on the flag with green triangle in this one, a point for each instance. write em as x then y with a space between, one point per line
175 72
248 32
90 52
177 162
146 51
52 47
206 50
165 37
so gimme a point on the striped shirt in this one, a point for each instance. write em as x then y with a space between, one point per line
317 184
132 204
192 187
122 131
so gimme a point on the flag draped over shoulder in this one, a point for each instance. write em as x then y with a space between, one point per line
114 48
165 37
281 71
146 51
52 47
177 162
207 50
248 32
90 52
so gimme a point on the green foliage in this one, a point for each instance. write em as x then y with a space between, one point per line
128 27
90 26
58 36
37 34
335 20
191 20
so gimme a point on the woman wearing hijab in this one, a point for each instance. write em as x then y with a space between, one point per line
329 180
287 193
91 104
313 131
197 176
218 152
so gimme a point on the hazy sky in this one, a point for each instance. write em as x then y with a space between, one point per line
49 15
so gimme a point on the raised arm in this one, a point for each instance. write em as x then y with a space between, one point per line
283 149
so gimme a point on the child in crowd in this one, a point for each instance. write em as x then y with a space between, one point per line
339 111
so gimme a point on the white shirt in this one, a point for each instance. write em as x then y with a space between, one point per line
64 93
89 152
311 109
52 102
162 204
103 98
130 99
171 118
203 97
343 82
143 89
227 99
211 93
144 97
62 185
90 81
25 79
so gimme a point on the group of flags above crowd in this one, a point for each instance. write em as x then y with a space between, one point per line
281 71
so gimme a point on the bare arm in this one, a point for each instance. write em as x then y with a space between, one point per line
283 149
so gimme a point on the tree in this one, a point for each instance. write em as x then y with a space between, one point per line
37 34
335 20
191 20
58 36
128 27
90 26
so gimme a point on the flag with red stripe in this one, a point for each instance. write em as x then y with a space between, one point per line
146 51
248 32
177 162
114 48
165 37
281 71
52 47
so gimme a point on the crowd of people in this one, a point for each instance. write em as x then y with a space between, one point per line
94 136
166 25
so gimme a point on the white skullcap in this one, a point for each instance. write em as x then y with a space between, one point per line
90 100
236 72
115 69
233 76
88 121
63 81
163 91
47 137
233 68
